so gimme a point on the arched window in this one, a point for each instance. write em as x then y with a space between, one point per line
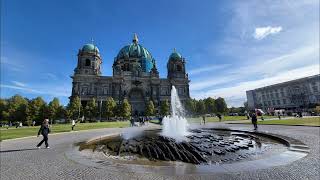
125 67
88 62
179 68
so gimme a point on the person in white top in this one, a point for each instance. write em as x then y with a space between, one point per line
73 124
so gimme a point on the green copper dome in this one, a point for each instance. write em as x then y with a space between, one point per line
90 48
175 55
135 50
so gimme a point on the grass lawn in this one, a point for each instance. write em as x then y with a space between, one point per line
13 132
314 121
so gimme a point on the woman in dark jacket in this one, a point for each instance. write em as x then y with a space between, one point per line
254 120
44 131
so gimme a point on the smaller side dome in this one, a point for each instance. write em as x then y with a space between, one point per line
90 48
175 55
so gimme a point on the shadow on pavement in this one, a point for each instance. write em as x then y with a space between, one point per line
15 150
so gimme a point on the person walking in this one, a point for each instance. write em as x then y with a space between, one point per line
219 116
254 120
73 124
204 119
44 131
131 121
33 123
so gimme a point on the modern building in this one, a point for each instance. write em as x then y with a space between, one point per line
135 77
296 95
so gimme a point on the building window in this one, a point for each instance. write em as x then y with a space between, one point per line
179 68
284 101
105 90
315 89
278 102
180 91
125 67
88 62
273 102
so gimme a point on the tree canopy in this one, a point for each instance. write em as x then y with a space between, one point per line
125 109
164 108
110 107
149 109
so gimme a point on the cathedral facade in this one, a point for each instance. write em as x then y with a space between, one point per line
135 77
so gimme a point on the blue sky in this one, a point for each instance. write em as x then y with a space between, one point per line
229 46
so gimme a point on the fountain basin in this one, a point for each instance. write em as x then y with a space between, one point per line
200 147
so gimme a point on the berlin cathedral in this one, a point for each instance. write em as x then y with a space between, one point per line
135 77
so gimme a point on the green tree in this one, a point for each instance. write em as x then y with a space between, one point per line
149 111
209 105
221 105
60 112
190 106
16 108
75 107
126 109
4 115
110 107
68 114
245 105
201 108
53 108
36 110
164 108
92 108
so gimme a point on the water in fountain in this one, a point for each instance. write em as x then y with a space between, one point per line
175 126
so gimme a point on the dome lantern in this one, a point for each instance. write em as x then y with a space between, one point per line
135 38
90 48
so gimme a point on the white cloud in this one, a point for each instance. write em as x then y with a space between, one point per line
24 89
262 68
293 54
262 32
11 65
207 68
17 83
55 91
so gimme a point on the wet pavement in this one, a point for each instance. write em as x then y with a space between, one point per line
20 160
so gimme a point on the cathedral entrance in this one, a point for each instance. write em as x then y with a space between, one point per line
136 99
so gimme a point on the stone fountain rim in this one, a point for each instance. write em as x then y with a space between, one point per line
296 150
293 144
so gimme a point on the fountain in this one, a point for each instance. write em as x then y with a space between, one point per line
175 126
175 142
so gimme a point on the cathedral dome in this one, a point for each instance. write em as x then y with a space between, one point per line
90 48
135 50
175 55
